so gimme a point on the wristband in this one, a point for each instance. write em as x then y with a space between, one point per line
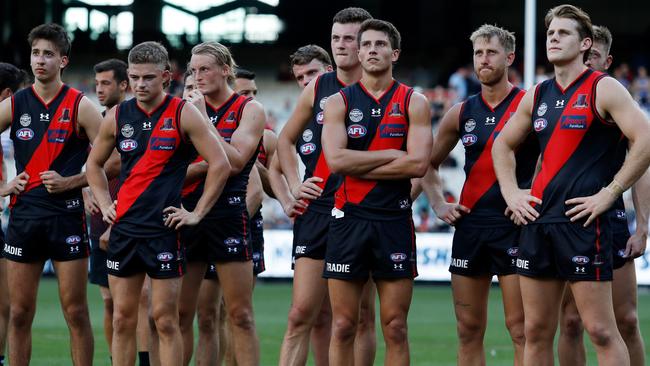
615 188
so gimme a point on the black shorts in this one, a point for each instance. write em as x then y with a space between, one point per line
358 246
219 239
211 272
620 236
566 251
480 251
310 235
98 274
60 238
159 257
257 243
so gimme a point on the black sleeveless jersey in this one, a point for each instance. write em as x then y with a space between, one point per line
154 159
479 126
577 144
376 124
45 138
309 144
225 119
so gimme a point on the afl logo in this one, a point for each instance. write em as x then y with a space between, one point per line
128 145
320 117
232 241
470 125
73 239
321 104
165 256
307 149
469 139
513 252
398 257
356 131
580 259
540 124
25 120
307 135
355 115
127 130
542 109
25 134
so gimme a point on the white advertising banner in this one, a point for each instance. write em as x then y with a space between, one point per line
434 255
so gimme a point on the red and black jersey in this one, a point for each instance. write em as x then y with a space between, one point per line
309 144
577 144
154 157
479 125
376 124
226 119
45 138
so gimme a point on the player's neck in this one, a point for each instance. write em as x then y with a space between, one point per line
154 103
349 77
377 84
496 93
567 73
110 106
48 90
220 96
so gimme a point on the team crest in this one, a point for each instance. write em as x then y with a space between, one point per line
65 115
541 110
581 102
395 110
470 125
167 125
231 117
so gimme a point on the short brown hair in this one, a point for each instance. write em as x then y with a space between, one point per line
351 15
149 53
575 13
603 36
487 31
54 33
382 26
221 55
118 67
306 54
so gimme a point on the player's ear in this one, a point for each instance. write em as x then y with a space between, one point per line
395 56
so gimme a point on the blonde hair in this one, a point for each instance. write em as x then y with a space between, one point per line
487 31
221 54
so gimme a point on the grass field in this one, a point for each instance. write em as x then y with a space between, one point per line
432 329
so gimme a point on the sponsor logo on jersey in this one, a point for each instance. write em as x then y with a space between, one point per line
73 203
128 145
338 267
392 130
73 239
469 139
307 148
234 200
165 256
490 120
355 115
573 123
146 126
459 263
541 110
470 125
321 104
45 117
580 259
620 214
25 134
375 112
9 249
114 265
56 136
25 120
540 124
398 257
307 135
162 143
404 204
513 251
232 241
127 130
559 103
356 131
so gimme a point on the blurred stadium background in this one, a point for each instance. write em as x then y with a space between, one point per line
436 58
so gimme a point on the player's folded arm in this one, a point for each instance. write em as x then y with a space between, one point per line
246 137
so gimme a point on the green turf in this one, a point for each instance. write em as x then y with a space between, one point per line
432 329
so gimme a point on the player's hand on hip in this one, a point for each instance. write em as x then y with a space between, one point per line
54 182
590 207
177 217
636 245
308 189
520 204
90 203
109 213
450 212
16 185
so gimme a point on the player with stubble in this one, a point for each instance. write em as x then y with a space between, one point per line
302 135
626 247
51 126
576 117
157 137
377 136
